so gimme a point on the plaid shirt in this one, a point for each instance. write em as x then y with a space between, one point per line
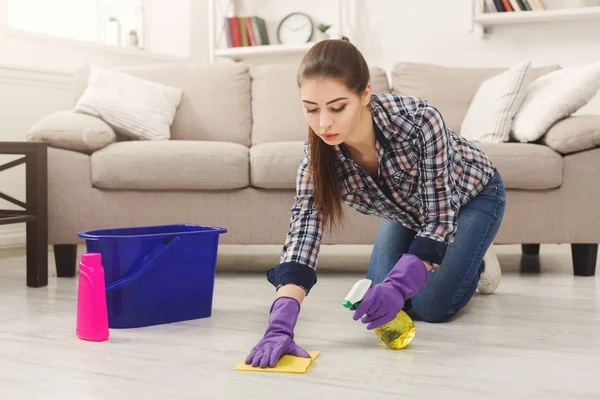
426 173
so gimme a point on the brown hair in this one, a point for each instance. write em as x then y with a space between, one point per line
342 61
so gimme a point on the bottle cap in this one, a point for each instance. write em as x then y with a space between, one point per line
92 259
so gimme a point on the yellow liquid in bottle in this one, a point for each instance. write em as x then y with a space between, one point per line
397 333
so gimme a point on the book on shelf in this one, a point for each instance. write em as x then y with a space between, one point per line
493 6
246 31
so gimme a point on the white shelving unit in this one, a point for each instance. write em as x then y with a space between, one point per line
218 9
482 22
240 53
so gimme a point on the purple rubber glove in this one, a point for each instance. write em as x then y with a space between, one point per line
383 301
279 337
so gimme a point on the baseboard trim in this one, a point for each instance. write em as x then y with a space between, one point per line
12 237
260 257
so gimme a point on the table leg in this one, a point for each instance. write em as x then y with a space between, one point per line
36 171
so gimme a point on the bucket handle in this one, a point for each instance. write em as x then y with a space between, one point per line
136 273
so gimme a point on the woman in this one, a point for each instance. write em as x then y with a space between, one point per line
441 201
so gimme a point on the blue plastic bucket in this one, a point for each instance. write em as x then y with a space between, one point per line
156 274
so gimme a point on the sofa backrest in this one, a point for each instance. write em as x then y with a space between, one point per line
215 105
276 106
449 89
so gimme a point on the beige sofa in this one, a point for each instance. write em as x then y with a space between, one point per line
238 137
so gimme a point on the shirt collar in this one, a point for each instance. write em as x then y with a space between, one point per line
381 118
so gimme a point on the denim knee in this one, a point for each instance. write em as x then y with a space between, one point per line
428 311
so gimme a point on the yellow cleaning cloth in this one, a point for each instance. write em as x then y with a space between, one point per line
289 364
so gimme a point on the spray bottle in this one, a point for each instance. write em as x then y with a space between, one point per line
397 333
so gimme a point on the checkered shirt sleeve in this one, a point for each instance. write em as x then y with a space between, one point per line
305 231
435 180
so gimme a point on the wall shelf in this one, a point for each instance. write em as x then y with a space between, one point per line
218 9
241 53
482 21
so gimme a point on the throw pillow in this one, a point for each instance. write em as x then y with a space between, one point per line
72 131
552 97
573 134
134 107
496 102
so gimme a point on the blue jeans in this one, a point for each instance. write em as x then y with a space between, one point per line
450 286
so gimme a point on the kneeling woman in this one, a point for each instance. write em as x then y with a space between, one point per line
441 201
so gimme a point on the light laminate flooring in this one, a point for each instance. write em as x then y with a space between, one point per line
538 336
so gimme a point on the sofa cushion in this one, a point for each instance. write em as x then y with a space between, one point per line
496 102
276 105
72 131
525 165
553 97
215 105
572 134
450 89
135 108
522 165
274 165
171 165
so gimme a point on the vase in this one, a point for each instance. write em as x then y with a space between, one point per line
133 41
319 36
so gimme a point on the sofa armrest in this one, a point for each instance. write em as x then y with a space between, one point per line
573 134
72 131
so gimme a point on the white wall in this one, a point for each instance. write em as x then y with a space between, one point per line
36 79
26 96
438 31
55 54
172 16
199 30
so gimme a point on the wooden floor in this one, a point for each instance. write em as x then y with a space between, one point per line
538 336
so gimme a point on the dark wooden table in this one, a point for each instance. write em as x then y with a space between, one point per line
34 210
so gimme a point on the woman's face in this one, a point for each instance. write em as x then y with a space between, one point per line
331 109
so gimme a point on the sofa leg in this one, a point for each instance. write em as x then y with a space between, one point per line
584 258
65 256
531 249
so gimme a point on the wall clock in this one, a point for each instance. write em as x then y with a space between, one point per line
295 28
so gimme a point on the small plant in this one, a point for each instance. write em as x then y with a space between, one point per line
134 40
323 27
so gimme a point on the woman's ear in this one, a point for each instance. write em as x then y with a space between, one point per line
366 96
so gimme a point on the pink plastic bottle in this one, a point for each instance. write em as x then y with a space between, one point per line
92 316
